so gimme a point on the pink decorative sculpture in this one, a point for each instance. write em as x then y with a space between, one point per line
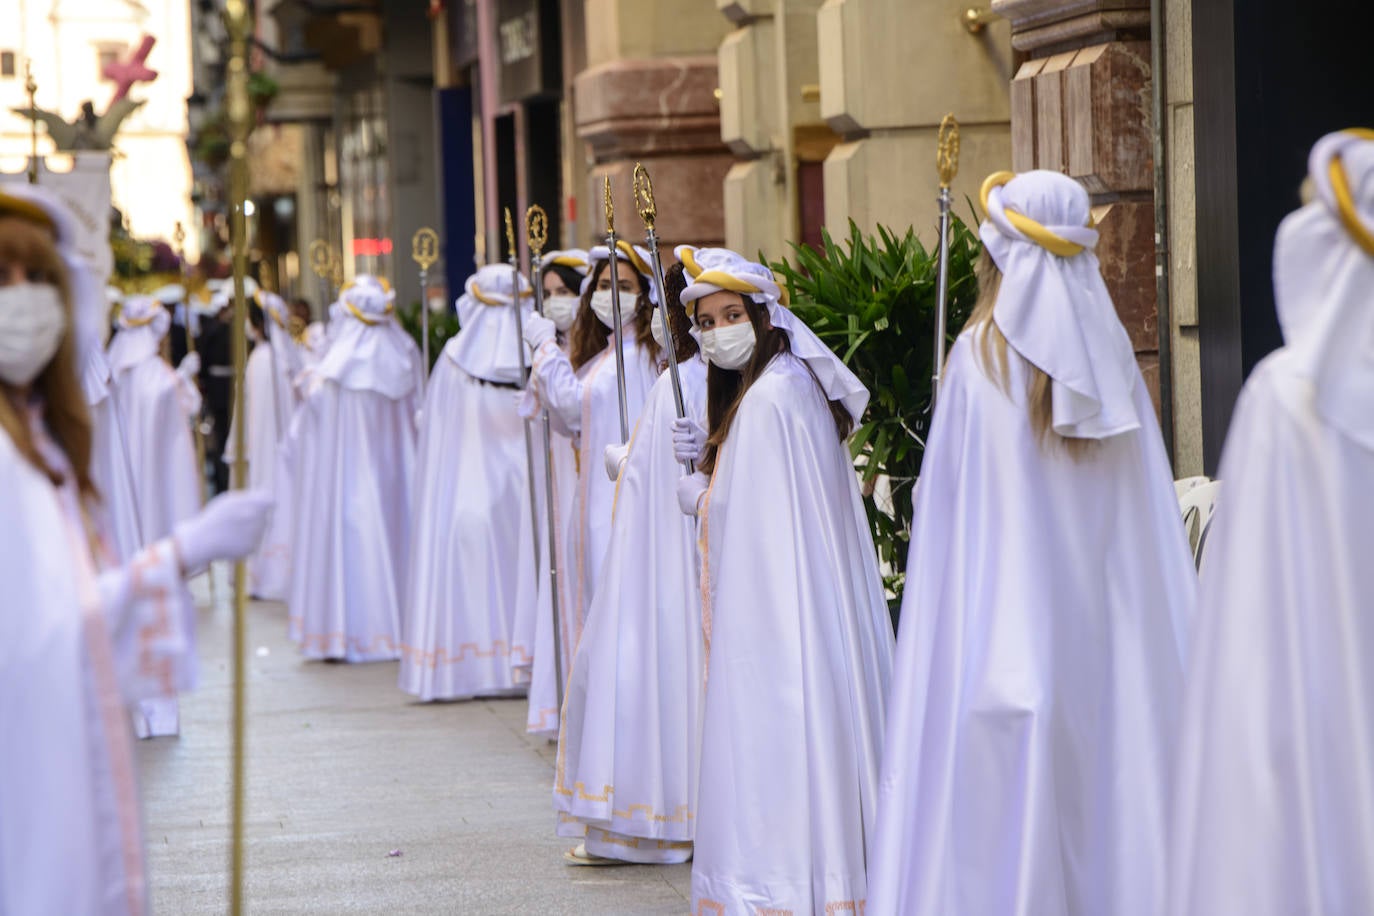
125 73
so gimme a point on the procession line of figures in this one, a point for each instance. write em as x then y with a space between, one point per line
1068 725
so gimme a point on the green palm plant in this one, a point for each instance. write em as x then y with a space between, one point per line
872 301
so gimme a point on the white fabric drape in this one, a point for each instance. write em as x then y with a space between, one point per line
799 655
1039 669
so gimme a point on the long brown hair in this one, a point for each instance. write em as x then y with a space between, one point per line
679 325
58 385
992 355
587 337
726 388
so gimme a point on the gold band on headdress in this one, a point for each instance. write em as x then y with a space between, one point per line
1050 241
568 260
361 316
726 281
689 263
27 210
487 300
628 252
1345 200
131 323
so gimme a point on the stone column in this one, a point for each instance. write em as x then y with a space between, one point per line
649 94
767 68
1081 106
889 71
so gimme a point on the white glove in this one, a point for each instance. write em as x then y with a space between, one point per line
190 367
538 330
229 527
690 490
689 440
615 456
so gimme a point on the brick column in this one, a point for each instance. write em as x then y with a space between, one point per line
1081 105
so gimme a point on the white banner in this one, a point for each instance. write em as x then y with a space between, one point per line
86 192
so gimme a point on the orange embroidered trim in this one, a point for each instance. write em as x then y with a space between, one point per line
846 906
615 839
682 815
771 911
325 642
545 717
704 551
706 907
149 665
499 649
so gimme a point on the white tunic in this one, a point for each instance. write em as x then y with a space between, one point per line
268 569
1274 808
110 455
627 758
472 559
587 404
799 655
80 650
1035 701
353 451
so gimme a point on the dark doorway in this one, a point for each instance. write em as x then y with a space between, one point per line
544 161
507 187
1270 78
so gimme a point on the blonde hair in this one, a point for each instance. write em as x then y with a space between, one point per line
992 355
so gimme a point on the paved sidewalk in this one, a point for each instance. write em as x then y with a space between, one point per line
344 769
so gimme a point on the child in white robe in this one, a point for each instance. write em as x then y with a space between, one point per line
472 547
797 636
1049 590
1274 808
158 407
80 636
354 462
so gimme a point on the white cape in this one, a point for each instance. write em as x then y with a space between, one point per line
110 457
1274 808
263 404
70 832
543 714
1039 669
354 457
628 754
161 452
799 655
472 550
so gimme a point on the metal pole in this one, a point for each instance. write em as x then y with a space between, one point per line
613 267
424 251
524 379
537 223
648 211
239 21
947 160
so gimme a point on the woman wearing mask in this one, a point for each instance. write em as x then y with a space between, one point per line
1035 700
580 390
562 275
79 637
634 694
472 551
797 635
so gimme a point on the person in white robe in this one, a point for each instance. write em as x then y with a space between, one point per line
472 545
268 401
354 459
563 273
580 389
81 636
1274 808
1049 590
626 771
158 406
797 636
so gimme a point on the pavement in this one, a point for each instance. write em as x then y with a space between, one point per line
362 801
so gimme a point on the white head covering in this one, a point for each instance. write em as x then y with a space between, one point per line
638 257
171 294
90 308
488 346
1054 308
143 322
715 270
370 352
575 258
274 310
1324 283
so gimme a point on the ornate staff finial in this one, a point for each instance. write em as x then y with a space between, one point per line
424 248
610 208
537 228
947 155
510 236
644 196
31 87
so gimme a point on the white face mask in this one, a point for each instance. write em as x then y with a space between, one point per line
656 328
561 310
729 347
604 307
32 322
